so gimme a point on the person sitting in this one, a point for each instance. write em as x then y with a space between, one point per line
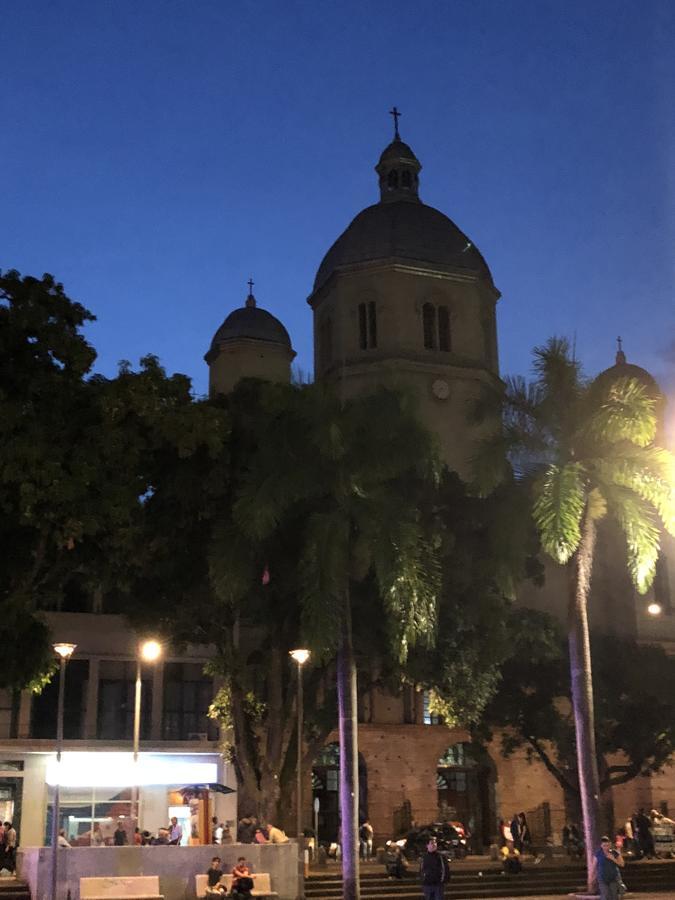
239 872
276 835
396 865
260 837
214 874
511 859
62 839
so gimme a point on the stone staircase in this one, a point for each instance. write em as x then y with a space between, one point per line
14 889
474 882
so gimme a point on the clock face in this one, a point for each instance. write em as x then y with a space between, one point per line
440 389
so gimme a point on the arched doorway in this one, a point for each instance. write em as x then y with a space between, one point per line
325 780
465 781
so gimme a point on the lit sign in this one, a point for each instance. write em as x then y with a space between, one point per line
119 770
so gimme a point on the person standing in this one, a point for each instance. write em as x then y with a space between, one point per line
645 839
175 832
120 838
434 872
515 832
608 865
366 840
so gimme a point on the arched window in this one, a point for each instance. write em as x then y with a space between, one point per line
367 325
392 179
406 180
429 326
443 329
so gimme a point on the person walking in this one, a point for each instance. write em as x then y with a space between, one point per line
608 865
434 872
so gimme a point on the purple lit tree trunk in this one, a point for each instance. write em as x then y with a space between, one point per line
581 678
349 754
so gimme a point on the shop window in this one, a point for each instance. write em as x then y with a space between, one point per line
367 325
188 693
44 707
116 699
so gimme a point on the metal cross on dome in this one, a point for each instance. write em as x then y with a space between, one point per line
396 114
250 283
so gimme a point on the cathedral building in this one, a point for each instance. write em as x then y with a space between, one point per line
404 298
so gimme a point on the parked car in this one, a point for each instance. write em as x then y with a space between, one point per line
451 838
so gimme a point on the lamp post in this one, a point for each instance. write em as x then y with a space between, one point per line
65 651
150 651
300 657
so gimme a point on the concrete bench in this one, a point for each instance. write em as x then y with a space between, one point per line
262 886
139 887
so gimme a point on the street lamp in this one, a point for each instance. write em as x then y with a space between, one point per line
300 657
654 609
150 651
64 651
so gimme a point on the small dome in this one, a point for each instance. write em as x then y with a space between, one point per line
402 230
397 150
252 323
624 369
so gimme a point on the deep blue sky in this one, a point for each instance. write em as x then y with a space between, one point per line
154 155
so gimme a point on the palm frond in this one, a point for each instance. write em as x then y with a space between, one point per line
560 499
649 472
638 521
626 412
556 372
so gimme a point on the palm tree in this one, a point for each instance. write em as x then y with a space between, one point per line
353 465
585 450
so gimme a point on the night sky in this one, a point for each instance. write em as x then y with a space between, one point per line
155 155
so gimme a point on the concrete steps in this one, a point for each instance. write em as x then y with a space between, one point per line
466 882
14 889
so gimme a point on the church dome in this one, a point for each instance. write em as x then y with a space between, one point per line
624 369
402 230
400 226
252 323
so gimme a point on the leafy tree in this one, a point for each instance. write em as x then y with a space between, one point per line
634 716
585 451
79 453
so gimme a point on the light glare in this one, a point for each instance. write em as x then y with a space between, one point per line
64 650
654 609
300 656
151 650
91 769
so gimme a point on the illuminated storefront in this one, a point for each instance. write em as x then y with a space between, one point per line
96 795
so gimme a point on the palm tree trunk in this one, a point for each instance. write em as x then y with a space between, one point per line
581 677
349 756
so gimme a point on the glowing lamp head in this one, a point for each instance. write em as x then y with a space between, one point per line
654 609
300 656
65 651
151 650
